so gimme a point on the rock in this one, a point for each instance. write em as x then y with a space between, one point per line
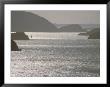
19 36
93 34
14 46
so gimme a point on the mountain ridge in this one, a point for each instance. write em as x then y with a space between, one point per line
28 22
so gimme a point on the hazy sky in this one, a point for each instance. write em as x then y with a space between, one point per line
70 17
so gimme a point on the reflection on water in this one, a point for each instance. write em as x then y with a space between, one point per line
56 58
58 35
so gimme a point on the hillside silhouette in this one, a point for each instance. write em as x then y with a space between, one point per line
72 28
22 21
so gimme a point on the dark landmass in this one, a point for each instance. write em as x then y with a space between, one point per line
89 27
22 21
19 36
93 34
14 46
86 27
72 28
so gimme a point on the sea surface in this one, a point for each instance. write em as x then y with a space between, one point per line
56 58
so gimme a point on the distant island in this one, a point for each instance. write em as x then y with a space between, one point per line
72 28
93 34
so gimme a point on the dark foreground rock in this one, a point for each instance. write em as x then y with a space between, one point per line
93 34
19 36
14 46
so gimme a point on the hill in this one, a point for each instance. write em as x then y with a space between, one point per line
72 28
22 21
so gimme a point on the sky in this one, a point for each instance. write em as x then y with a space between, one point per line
69 16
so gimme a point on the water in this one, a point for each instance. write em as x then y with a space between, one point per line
56 58
55 35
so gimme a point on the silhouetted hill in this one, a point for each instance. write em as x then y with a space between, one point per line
72 28
19 36
93 34
14 46
22 21
89 27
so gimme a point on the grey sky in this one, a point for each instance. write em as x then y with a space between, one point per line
70 17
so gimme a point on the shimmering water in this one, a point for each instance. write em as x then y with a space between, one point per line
55 35
56 58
